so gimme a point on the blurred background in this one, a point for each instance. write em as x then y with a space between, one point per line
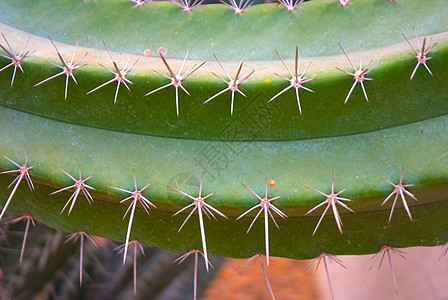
50 270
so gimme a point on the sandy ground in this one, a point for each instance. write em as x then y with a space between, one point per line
420 275
287 278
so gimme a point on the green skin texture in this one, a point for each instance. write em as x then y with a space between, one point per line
371 140
156 114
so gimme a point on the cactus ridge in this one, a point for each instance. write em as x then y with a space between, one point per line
220 198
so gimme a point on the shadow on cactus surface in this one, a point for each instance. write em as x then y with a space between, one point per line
334 89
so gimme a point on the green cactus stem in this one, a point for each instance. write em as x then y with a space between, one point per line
402 126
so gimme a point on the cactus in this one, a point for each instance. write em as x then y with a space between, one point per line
266 103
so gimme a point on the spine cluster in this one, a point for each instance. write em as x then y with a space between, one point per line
200 205
296 78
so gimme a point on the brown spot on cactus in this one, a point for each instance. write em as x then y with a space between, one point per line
265 206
